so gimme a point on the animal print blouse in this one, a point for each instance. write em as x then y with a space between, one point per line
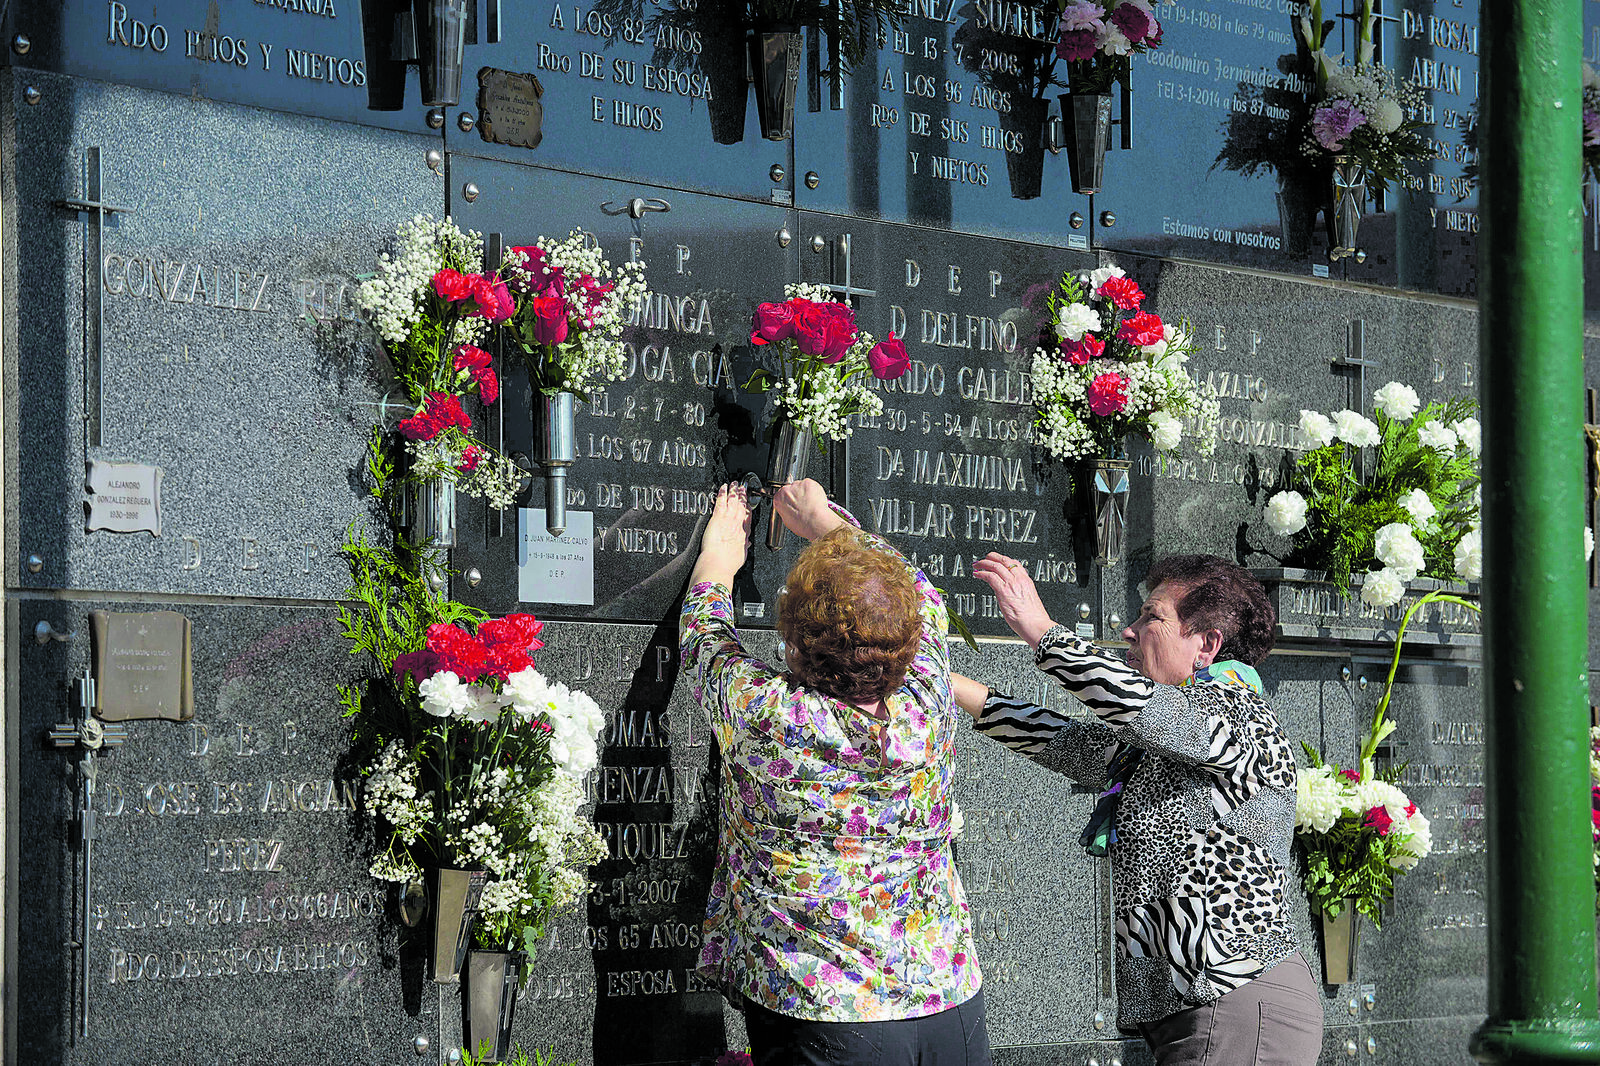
1201 869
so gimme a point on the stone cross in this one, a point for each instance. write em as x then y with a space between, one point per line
88 735
94 210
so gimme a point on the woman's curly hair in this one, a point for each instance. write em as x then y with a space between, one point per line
1220 595
849 617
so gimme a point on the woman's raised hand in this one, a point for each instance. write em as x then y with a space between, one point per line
725 542
1019 600
803 506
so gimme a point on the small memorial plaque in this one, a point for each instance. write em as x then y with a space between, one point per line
509 108
141 666
124 497
555 569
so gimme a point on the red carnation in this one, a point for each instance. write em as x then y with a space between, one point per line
421 665
888 358
1141 329
1080 352
1133 22
1075 45
488 385
1124 292
459 651
469 358
1411 810
452 284
1350 775
1378 818
471 456
492 297
1108 394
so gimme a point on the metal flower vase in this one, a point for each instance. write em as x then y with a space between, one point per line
1025 124
1109 489
1086 118
455 905
555 444
1341 943
775 72
493 980
430 512
791 454
441 47
1349 204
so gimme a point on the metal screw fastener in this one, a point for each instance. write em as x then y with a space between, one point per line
32 95
1084 611
1355 1007
1361 682
1369 1001
436 581
784 237
422 1044
1114 1061
818 245
454 1056
1075 220
1350 1048
436 118
1099 1019
20 44
1372 1045
465 121
1344 674
469 192
35 564
474 576
1108 219
1361 255
777 173
1092 1062
434 158
812 181
1114 620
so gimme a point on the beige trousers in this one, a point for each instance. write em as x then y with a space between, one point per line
1275 1020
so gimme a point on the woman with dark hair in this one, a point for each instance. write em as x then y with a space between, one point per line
1196 808
836 918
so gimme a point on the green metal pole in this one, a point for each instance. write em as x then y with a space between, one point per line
1541 1006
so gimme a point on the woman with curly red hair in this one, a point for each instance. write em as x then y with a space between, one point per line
836 918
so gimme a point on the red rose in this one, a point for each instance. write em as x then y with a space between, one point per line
543 279
1108 394
589 295
549 315
773 322
1081 351
459 651
492 297
1124 292
1141 329
825 329
421 665
1378 818
452 284
888 358
471 456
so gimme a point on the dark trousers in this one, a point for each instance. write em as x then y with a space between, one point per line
957 1036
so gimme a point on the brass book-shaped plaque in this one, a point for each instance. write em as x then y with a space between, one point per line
141 666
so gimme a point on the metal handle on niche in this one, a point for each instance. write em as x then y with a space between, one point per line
44 633
636 207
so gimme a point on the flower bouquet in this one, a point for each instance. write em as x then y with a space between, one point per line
1115 370
570 308
820 366
1416 511
430 309
1594 804
477 758
1097 40
1359 122
1591 123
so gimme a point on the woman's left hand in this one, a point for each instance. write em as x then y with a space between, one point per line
1016 595
725 542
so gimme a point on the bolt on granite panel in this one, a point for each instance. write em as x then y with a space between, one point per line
233 358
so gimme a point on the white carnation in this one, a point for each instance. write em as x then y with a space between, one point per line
1382 588
1318 800
1437 435
1356 429
1398 548
1165 431
1470 434
1418 505
1469 556
1387 116
444 696
1316 428
1076 320
1096 278
1286 513
1416 841
1397 400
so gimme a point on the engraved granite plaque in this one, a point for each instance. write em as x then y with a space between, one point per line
509 108
124 497
141 666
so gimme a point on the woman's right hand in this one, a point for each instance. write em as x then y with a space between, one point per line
803 506
1019 600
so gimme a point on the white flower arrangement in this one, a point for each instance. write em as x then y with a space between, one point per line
1116 371
396 296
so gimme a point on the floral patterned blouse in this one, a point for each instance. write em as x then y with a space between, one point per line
835 897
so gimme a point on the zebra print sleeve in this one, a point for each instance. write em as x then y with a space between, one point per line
1071 746
1114 691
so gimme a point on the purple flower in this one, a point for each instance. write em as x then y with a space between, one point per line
1083 15
1076 44
830 972
1133 23
1591 129
1332 123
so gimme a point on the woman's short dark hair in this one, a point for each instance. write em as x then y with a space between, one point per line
850 618
1220 595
